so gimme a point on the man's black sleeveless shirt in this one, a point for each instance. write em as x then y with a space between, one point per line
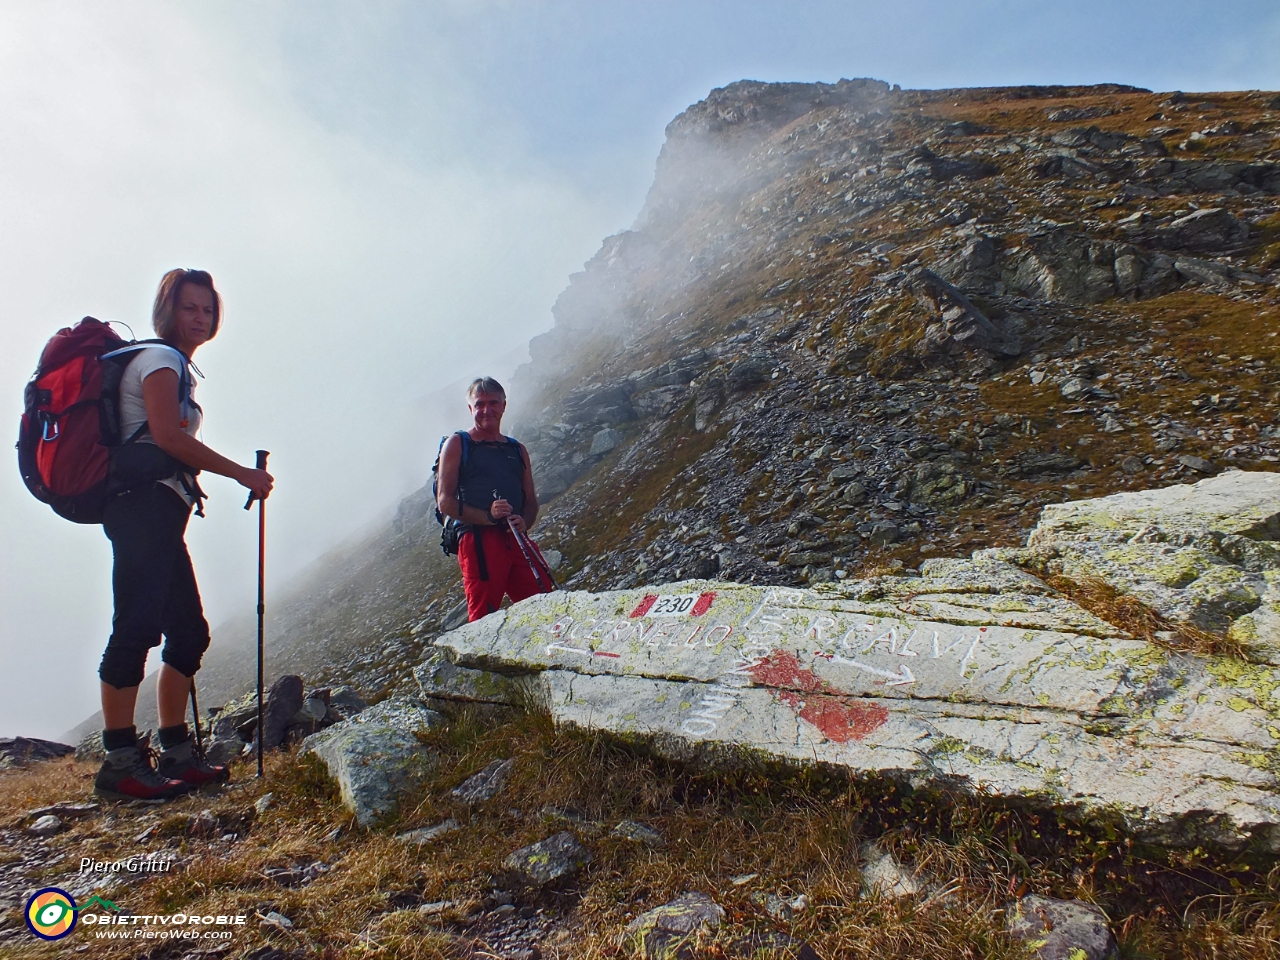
490 466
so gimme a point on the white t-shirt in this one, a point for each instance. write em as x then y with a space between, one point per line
133 408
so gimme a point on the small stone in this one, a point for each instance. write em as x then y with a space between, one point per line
556 858
842 474
1073 387
673 929
772 904
854 493
1199 464
275 919
313 709
46 826
203 824
220 752
263 803
883 533
1132 465
554 558
68 810
638 833
883 876
485 784
1062 929
425 835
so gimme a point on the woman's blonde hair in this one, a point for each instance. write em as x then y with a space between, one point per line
167 300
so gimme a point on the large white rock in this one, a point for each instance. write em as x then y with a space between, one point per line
1204 553
972 676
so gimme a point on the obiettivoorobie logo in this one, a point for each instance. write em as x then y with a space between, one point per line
51 913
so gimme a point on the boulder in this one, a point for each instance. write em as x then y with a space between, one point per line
344 703
938 484
604 441
1204 554
548 861
1058 265
20 751
672 931
974 675
750 372
961 326
375 756
1062 929
1213 228
284 700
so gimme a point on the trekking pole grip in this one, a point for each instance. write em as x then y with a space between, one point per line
261 464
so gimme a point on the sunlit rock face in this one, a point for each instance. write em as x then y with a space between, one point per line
1203 554
974 675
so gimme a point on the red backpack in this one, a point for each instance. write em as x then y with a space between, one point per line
71 419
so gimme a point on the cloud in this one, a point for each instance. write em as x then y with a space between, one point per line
357 280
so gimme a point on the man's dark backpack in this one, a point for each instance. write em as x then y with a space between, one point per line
71 422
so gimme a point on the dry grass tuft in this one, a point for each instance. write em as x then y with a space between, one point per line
1133 616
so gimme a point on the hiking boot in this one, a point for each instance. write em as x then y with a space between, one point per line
186 762
129 773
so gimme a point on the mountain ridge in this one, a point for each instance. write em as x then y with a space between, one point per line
854 327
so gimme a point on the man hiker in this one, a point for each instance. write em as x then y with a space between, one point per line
488 488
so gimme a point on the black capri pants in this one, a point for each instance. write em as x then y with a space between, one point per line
153 584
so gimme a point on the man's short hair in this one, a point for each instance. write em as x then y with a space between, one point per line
485 385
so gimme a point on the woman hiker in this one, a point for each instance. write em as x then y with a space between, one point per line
152 491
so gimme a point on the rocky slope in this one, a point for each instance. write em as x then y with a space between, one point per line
856 327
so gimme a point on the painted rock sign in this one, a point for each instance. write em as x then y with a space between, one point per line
973 674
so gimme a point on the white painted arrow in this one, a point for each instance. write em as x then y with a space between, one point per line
901 677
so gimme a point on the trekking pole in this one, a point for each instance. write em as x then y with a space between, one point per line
533 566
195 715
262 539
537 553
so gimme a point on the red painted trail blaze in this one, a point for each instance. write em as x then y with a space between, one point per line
704 604
839 718
643 606
782 669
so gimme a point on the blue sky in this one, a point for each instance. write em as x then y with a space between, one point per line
390 195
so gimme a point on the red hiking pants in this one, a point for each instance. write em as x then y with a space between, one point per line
508 570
